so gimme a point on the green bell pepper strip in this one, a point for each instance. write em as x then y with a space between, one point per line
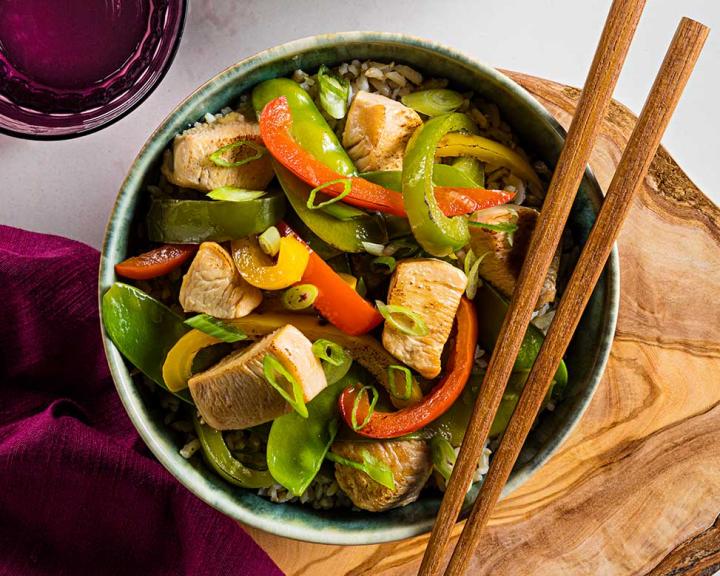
195 221
220 459
309 128
297 446
435 232
143 329
345 235
443 175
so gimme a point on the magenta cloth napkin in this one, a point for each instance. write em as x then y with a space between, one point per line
79 491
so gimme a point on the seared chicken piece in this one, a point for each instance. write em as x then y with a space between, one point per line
503 261
377 130
409 460
234 393
189 165
431 288
213 285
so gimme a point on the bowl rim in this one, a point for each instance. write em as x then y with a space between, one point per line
193 479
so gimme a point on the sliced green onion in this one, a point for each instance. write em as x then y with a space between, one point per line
371 407
407 376
434 102
343 211
370 465
216 328
507 227
334 93
217 159
334 360
232 194
300 297
373 248
329 351
443 456
403 319
402 248
273 370
347 184
383 264
361 287
472 269
270 241
472 168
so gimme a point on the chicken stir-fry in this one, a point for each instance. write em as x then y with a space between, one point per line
334 315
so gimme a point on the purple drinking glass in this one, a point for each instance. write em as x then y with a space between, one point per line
70 67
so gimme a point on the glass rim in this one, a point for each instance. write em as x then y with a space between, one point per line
145 89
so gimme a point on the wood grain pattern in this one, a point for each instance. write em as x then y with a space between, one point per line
618 31
629 176
636 488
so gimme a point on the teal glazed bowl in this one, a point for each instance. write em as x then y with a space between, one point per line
535 129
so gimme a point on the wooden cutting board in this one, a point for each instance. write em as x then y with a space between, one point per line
636 488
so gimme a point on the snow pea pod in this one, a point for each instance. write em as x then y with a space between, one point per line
309 129
143 329
297 446
195 221
218 456
345 235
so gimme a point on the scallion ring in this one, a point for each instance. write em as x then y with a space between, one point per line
373 248
216 328
403 319
347 184
371 408
407 385
270 241
370 465
300 297
383 264
273 370
434 102
232 194
443 456
334 360
217 159
334 93
507 227
472 273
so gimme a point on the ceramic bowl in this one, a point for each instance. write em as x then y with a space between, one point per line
536 130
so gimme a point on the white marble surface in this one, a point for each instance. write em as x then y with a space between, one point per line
68 187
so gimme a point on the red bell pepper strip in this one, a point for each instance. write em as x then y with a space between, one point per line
157 262
432 406
337 301
275 124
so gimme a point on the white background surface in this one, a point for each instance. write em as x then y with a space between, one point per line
68 187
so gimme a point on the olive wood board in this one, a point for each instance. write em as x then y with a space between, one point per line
636 488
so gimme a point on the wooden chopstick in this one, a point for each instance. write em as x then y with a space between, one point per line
609 56
634 165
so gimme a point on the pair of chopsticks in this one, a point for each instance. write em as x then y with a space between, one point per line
609 57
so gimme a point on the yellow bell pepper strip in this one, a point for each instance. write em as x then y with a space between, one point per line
365 350
220 459
276 128
488 151
177 368
435 232
355 406
254 266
